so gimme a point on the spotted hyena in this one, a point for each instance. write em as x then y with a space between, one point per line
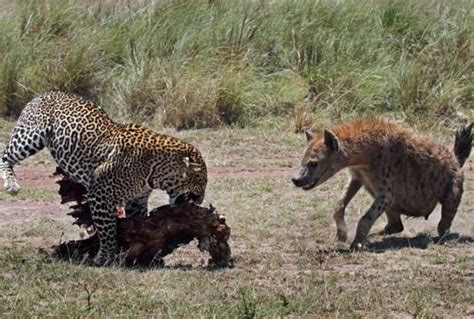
404 172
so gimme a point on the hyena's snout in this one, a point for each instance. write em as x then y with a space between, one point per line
298 181
299 178
304 179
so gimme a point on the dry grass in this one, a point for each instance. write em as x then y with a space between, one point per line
287 262
193 64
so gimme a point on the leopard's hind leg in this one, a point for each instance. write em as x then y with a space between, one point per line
24 142
28 137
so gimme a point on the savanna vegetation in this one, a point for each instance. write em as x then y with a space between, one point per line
237 79
194 64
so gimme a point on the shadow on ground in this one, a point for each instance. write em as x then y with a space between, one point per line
420 241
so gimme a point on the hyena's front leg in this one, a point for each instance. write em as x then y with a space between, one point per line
352 188
381 202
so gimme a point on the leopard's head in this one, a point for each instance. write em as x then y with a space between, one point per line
185 174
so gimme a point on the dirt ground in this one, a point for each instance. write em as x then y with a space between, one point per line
283 240
32 175
27 211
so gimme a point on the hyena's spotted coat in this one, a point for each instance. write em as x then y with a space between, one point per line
404 172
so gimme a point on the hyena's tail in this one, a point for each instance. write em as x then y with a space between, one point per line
463 143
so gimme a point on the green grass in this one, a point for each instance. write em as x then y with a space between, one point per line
192 64
271 67
287 262
30 193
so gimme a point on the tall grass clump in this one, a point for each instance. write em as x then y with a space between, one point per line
192 64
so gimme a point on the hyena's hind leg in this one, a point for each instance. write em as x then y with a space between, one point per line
23 143
449 207
394 222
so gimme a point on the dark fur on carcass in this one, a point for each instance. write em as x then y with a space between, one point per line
145 240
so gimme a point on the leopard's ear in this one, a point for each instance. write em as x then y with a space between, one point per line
190 164
186 161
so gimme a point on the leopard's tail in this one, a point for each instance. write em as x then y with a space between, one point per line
463 143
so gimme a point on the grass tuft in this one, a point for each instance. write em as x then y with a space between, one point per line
205 64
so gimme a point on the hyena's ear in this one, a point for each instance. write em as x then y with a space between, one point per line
331 141
309 134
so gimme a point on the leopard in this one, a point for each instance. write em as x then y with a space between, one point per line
118 164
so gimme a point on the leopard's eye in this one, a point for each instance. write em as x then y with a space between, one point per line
312 164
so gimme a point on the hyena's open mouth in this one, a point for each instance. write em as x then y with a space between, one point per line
309 186
305 186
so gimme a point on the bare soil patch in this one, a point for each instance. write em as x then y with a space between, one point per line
41 176
269 171
283 245
29 211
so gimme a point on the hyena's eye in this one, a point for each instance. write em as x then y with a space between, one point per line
312 164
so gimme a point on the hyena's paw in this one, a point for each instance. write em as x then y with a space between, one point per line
11 186
391 229
357 244
341 235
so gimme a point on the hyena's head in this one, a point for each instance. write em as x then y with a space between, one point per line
322 159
